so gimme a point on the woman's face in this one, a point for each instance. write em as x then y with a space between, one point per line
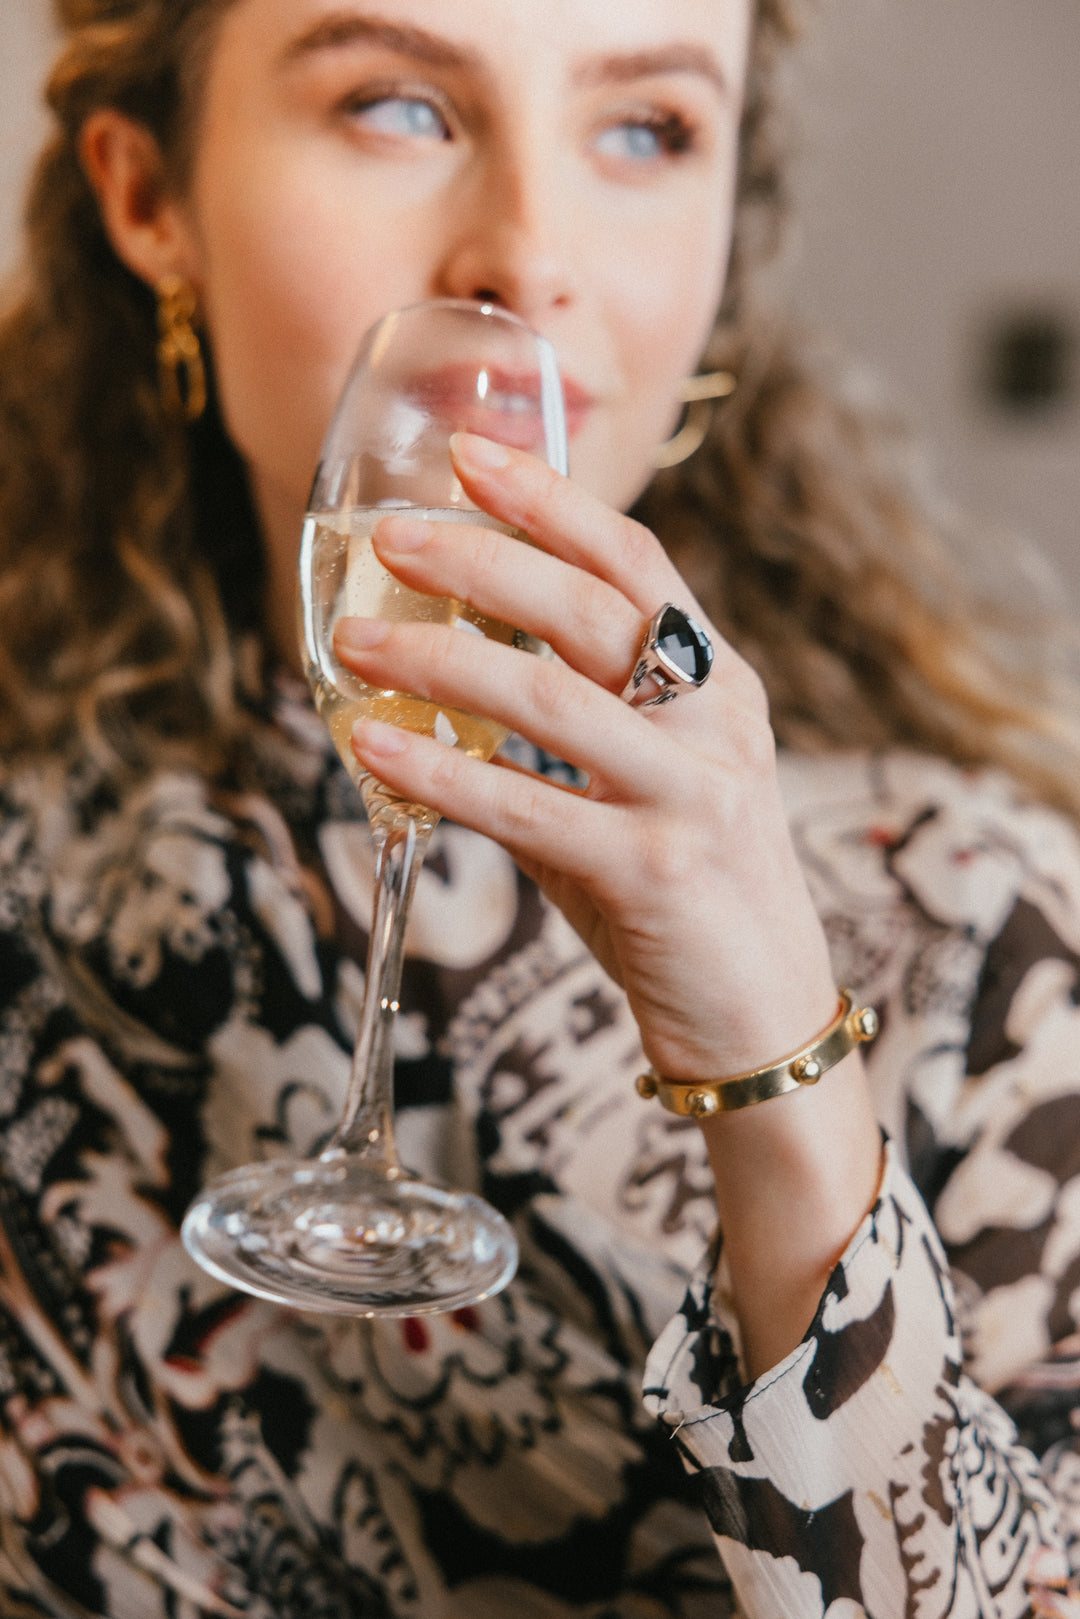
573 160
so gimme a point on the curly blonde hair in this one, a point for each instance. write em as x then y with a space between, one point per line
130 562
130 565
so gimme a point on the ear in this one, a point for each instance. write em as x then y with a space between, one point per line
144 221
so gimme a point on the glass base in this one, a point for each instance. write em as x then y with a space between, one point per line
344 1236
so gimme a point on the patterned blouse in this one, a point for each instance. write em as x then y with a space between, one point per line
178 988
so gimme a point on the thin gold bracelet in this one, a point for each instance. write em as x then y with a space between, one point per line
700 1098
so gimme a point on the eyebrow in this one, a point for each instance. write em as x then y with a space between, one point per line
343 28
621 68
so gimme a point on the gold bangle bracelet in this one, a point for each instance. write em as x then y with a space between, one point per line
700 1098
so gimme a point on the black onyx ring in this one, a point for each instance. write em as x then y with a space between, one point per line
676 656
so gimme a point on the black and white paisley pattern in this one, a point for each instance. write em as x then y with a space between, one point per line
872 1472
178 988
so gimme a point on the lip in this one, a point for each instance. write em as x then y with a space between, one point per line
509 410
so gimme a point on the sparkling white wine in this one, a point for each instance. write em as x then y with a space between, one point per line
347 579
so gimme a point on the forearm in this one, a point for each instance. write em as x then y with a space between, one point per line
795 1177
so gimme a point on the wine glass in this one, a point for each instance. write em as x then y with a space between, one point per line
352 1231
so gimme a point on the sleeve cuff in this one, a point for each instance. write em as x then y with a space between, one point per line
820 1462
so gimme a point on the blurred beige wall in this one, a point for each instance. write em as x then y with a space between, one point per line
938 190
25 40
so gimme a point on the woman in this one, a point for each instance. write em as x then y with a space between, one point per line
236 190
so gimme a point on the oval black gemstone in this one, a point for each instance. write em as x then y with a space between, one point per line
684 644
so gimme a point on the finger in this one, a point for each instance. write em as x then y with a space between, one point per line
564 519
541 698
546 823
585 620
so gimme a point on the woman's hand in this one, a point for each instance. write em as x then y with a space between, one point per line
675 864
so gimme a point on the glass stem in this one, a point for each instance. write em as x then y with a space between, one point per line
367 1128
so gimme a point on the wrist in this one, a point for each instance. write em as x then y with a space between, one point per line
794 1180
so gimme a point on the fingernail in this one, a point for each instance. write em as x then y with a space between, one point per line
373 737
360 634
403 533
482 453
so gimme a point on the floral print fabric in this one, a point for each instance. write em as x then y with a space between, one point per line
872 1472
178 989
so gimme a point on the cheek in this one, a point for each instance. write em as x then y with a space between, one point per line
267 310
668 318
681 280
661 313
285 312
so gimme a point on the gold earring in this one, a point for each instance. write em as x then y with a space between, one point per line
700 394
181 371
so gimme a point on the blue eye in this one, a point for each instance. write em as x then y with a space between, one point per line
644 140
638 141
407 117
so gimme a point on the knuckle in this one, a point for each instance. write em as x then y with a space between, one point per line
486 545
751 743
444 658
595 606
549 693
667 860
446 770
754 748
639 548
751 689
519 812
544 487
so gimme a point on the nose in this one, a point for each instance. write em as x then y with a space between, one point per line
509 239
